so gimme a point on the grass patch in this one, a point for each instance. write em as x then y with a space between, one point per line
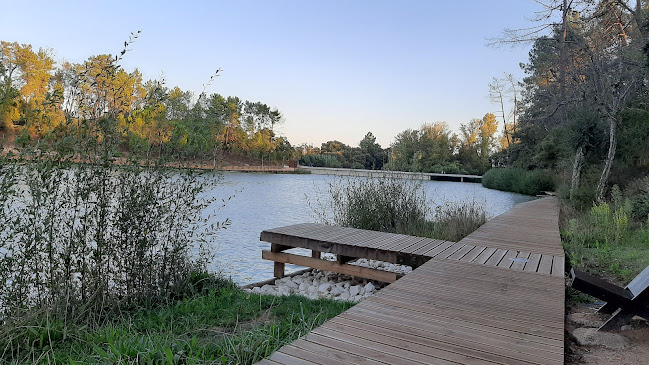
225 326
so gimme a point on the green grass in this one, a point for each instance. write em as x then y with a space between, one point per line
226 326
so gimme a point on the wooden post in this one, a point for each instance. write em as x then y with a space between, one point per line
315 254
278 267
340 259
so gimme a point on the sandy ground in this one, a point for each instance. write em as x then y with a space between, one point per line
586 345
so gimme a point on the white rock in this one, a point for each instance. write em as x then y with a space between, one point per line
312 290
256 290
337 290
344 296
291 284
369 288
354 290
324 287
303 287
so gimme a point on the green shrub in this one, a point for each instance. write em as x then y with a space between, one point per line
320 161
638 194
379 204
518 180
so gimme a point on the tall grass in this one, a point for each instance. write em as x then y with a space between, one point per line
396 206
84 237
604 240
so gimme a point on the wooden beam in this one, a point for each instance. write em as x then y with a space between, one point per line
289 241
353 270
599 288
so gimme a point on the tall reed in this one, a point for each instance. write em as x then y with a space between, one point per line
396 206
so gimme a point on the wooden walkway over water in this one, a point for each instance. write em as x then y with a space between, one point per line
495 297
392 174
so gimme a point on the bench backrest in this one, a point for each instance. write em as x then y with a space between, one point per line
639 283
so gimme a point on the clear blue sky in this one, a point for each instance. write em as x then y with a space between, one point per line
335 69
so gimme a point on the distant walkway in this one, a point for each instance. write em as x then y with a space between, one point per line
267 169
505 308
394 174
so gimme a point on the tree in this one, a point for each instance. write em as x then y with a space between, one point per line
27 95
372 156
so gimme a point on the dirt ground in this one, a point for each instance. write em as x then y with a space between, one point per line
586 345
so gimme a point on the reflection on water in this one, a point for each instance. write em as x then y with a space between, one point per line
264 201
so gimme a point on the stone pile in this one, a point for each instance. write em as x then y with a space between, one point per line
326 284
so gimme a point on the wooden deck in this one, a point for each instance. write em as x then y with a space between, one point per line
470 303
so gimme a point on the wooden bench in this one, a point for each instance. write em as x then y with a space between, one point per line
622 303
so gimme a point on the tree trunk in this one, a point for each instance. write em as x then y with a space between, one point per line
612 146
563 55
577 164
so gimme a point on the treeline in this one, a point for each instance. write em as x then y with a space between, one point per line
431 148
43 101
48 103
584 113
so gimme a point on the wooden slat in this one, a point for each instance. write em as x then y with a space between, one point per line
473 254
533 265
545 266
495 259
520 260
457 255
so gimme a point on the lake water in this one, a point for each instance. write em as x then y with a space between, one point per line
264 201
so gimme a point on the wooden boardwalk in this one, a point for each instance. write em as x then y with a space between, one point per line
498 298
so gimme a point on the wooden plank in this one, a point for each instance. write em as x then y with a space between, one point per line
558 266
449 336
442 319
518 263
545 266
437 249
409 245
459 254
333 353
506 261
495 259
533 265
449 251
485 255
283 358
353 270
473 254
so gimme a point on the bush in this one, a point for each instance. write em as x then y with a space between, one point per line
320 161
638 194
518 180
378 204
